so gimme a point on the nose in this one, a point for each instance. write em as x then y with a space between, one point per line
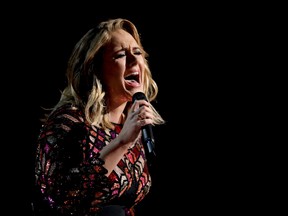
131 59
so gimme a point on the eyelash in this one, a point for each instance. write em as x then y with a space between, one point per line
120 55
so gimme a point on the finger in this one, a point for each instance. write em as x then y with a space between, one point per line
141 116
145 115
145 112
141 103
143 122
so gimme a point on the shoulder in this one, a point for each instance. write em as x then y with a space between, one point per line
64 118
65 122
68 112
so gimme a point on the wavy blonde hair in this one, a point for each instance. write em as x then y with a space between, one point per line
84 88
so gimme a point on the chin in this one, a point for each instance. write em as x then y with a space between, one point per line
129 93
135 90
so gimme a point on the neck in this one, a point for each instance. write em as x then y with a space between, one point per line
116 114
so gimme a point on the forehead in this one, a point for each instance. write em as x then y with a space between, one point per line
121 38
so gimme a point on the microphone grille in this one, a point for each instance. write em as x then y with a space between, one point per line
139 96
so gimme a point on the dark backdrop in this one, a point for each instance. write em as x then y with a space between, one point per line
196 57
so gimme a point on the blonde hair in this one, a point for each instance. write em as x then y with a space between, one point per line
84 88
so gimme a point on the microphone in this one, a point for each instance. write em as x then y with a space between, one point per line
147 133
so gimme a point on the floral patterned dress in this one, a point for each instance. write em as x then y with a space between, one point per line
69 175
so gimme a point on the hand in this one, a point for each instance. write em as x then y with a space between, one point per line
139 115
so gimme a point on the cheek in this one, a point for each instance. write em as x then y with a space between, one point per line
113 75
113 69
141 63
142 67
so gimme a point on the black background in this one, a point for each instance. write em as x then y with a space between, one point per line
199 58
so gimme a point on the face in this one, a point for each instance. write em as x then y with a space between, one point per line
123 67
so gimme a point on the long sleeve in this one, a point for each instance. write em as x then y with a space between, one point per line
69 174
70 178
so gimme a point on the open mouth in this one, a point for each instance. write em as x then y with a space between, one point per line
133 77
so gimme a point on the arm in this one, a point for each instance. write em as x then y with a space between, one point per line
68 173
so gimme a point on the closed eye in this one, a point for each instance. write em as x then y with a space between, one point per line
123 53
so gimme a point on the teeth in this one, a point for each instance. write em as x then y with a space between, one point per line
134 73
